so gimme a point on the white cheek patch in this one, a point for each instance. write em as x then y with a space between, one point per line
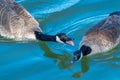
81 55
58 39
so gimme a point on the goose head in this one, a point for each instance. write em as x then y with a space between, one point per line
63 38
83 51
60 37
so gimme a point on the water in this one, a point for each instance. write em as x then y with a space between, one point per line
50 61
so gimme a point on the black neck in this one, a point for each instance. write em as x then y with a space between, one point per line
44 37
115 13
85 50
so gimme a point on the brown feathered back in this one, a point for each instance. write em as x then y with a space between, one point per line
16 22
104 35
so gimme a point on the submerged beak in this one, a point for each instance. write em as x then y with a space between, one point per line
77 57
70 43
74 59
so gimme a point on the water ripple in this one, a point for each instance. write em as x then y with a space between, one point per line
57 6
75 25
19 1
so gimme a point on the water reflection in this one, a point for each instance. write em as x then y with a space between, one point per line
63 60
113 60
84 68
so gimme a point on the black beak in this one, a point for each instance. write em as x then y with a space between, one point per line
77 56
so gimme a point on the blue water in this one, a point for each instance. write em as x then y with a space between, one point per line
50 61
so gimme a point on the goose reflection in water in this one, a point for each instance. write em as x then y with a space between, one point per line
64 60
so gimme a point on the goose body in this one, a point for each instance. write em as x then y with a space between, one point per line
17 23
100 38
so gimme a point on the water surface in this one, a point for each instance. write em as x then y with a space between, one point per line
50 61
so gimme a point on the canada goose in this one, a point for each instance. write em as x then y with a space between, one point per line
17 23
100 38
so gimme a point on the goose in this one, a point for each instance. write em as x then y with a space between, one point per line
102 37
17 23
